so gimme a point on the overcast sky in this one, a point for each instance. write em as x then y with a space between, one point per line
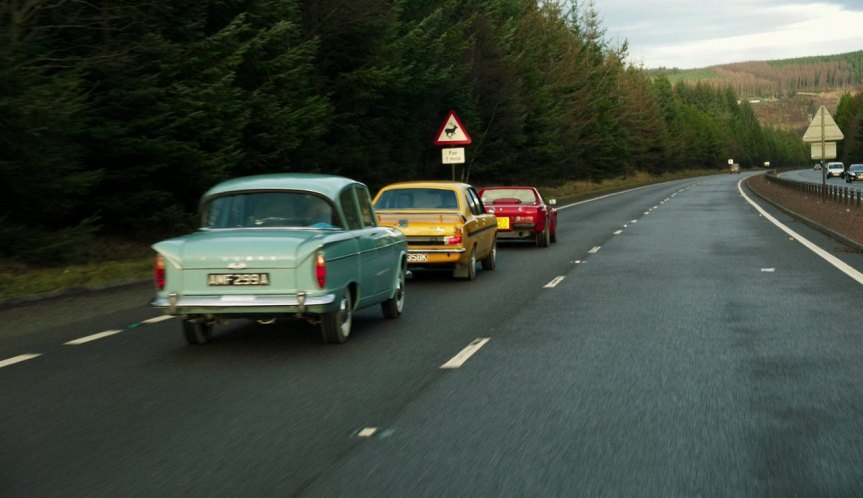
698 33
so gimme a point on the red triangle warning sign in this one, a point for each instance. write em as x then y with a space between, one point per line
452 132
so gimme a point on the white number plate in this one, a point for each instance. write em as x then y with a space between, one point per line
417 257
238 279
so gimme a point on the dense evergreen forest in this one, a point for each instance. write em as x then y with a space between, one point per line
116 115
849 117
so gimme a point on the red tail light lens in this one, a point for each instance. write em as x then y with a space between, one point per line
159 272
320 270
456 237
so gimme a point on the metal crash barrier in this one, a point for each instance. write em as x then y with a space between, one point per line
847 196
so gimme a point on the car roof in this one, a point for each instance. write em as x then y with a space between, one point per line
428 184
509 187
328 185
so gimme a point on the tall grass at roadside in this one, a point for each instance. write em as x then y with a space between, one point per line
17 281
112 261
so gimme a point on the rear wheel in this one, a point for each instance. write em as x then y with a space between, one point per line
336 326
553 236
543 239
197 331
469 270
393 306
490 261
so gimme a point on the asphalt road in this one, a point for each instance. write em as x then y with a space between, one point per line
673 342
815 176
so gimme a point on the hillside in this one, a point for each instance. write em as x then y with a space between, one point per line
794 113
784 93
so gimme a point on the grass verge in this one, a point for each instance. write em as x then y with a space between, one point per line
22 281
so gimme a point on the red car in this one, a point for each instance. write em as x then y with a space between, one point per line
521 213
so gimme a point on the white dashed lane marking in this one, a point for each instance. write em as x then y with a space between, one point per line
83 340
367 432
93 337
18 359
463 355
554 282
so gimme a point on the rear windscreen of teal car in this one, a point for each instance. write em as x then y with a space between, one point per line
417 198
268 210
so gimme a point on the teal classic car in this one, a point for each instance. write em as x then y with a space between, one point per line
282 245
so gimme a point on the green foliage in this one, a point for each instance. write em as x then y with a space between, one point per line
116 116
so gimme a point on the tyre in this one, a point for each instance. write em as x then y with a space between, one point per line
470 274
490 261
197 331
543 239
393 306
336 326
553 236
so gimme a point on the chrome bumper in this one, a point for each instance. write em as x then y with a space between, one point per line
294 303
437 251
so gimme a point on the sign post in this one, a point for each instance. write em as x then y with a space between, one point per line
822 133
451 133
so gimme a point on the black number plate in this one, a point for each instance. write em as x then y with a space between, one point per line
217 279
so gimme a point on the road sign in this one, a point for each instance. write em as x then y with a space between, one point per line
829 150
452 155
823 128
452 132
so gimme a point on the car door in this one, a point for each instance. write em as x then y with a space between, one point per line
485 225
376 247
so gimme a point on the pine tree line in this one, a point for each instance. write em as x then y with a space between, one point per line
115 115
849 118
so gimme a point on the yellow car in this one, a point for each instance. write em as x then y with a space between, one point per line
445 224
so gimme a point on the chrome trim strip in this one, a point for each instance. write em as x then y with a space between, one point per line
250 301
447 251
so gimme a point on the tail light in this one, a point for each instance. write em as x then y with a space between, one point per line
455 239
159 272
320 270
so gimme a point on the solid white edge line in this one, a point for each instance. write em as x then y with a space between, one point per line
833 260
157 319
93 337
554 282
18 359
463 355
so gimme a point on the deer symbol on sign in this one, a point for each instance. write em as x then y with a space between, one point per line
450 131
